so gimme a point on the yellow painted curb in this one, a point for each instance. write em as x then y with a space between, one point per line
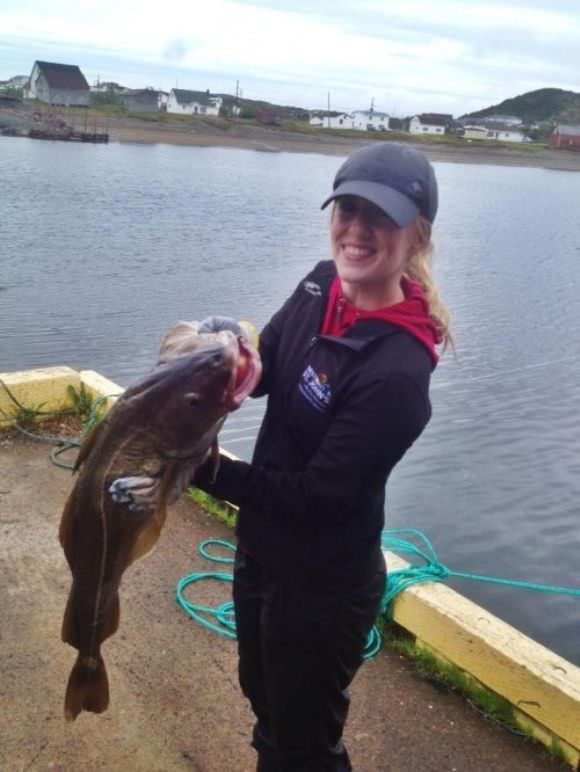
43 389
100 387
542 686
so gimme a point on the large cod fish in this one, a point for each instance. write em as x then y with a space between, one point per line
159 431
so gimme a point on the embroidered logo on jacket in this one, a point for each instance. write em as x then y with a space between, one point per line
312 288
315 388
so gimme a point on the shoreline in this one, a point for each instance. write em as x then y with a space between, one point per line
263 139
200 132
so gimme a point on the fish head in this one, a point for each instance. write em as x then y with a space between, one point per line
185 399
184 338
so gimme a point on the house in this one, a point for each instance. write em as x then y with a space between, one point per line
268 116
107 87
230 104
144 100
17 81
330 120
500 132
398 124
504 132
565 136
370 120
474 132
184 102
58 84
430 123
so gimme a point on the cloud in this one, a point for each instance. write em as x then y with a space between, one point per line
453 55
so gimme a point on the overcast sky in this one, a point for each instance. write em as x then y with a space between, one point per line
408 56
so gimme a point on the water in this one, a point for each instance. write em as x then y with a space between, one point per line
102 248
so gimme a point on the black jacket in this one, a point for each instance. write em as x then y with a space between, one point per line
341 413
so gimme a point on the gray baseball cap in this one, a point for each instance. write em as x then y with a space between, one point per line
395 177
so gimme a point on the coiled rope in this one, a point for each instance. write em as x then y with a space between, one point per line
221 620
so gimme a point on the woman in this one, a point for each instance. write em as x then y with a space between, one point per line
346 367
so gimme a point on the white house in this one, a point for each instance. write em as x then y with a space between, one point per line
330 120
370 120
184 102
495 131
474 132
429 123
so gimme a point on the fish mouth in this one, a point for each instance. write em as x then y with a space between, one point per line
246 374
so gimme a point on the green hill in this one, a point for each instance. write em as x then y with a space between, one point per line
546 105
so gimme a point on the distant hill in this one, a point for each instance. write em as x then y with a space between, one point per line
546 105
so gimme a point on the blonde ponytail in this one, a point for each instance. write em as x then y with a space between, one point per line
419 270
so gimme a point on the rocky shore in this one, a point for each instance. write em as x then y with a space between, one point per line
247 135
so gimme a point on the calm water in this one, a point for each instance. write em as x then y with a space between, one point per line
102 248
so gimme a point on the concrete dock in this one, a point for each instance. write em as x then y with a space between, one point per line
175 701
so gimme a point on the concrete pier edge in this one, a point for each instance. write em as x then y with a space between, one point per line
543 688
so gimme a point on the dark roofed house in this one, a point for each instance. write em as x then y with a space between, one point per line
430 123
566 136
58 84
185 102
144 100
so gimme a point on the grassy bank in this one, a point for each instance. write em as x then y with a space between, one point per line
289 136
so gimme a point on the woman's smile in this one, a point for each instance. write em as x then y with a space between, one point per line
370 252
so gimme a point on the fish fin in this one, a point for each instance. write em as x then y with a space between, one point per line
68 631
88 444
87 688
149 536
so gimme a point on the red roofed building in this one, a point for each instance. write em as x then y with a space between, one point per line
58 84
566 136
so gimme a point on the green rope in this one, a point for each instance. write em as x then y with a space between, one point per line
435 571
432 570
224 618
24 415
224 623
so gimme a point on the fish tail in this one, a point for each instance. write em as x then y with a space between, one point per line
87 688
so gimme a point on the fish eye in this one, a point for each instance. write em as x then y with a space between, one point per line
192 399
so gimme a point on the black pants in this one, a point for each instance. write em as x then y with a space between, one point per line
299 650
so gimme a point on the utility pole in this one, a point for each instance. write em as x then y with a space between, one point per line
328 110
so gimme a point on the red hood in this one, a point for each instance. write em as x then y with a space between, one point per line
412 314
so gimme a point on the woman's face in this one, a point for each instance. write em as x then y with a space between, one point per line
369 249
